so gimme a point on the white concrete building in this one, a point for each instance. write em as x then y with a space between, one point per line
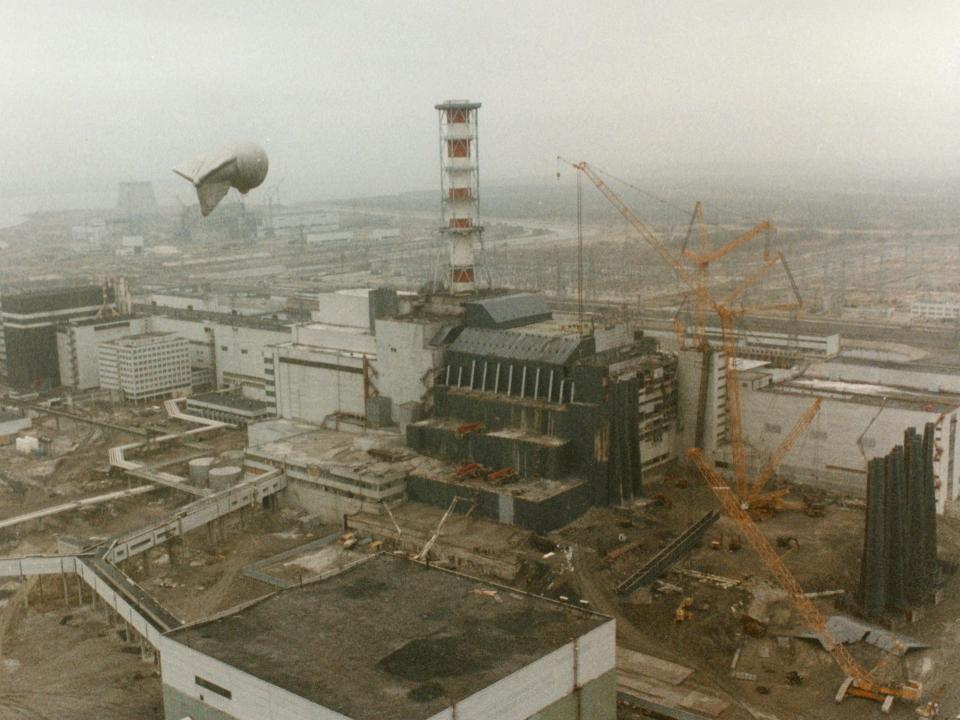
702 400
226 350
773 345
145 366
390 638
856 422
239 350
335 364
935 310
77 343
12 422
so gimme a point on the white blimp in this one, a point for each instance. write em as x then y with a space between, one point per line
242 166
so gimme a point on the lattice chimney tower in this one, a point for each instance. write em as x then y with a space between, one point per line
460 189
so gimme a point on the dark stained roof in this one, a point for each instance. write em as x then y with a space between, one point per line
506 311
519 346
367 641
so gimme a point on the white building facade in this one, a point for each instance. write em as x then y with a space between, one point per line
146 366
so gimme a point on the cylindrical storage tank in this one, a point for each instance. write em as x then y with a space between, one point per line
224 477
199 469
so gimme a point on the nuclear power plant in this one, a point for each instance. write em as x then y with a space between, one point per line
328 460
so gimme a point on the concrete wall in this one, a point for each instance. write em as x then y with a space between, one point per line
405 361
329 507
547 682
539 690
337 337
239 356
77 348
199 333
251 698
689 370
827 454
346 307
596 700
311 384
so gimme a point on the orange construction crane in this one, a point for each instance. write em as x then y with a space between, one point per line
702 301
859 682
729 316
758 501
645 231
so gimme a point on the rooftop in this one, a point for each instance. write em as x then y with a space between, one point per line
870 394
518 345
389 638
144 339
234 401
334 450
118 319
457 105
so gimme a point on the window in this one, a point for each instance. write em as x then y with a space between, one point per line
223 348
213 687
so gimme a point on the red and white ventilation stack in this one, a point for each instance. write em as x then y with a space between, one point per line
460 188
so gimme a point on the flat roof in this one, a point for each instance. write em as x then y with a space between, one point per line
869 394
233 401
142 338
333 449
457 105
370 641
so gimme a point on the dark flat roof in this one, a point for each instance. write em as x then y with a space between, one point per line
368 641
457 105
233 401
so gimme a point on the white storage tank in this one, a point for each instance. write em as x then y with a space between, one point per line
199 469
224 477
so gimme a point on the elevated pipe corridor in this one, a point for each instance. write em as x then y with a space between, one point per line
97 569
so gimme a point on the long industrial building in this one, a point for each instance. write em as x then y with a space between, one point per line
453 648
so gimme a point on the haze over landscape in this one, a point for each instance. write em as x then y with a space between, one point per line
402 360
337 93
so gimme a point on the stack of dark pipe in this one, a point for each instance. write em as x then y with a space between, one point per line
900 566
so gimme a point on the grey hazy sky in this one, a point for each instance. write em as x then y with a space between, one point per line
341 93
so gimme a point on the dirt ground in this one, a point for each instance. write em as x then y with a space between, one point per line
62 662
207 579
823 553
88 671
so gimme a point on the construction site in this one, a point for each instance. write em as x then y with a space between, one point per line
585 464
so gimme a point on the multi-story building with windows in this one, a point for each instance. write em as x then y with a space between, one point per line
29 322
145 366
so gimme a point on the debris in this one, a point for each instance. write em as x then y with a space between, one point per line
736 658
752 627
825 593
543 544
741 675
669 555
682 613
794 678
724 582
618 552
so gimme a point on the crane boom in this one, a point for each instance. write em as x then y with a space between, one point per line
645 231
863 683
767 471
743 239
